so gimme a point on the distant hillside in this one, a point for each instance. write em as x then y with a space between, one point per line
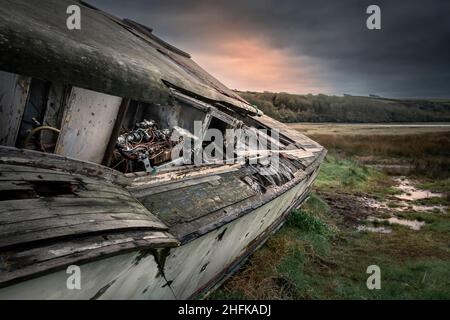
322 108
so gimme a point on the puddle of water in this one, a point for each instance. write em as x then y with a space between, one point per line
404 203
440 208
412 224
403 206
372 203
383 230
411 193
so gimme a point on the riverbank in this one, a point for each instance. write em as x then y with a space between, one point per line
371 128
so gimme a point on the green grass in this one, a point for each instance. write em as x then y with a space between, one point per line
432 201
417 280
308 221
436 185
345 174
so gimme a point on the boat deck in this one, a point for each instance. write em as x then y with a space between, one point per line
51 216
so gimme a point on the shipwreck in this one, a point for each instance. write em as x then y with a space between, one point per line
88 177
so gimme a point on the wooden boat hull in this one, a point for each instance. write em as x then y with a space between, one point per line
94 203
188 271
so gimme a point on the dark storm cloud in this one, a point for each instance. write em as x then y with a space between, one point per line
408 57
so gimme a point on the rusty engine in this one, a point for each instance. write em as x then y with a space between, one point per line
143 147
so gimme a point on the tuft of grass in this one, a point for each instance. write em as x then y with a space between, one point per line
305 221
346 174
433 201
419 216
310 218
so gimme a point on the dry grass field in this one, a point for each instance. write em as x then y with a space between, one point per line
370 128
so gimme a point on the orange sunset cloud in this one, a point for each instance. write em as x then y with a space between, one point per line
248 64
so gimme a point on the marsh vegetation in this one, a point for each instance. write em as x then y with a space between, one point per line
362 213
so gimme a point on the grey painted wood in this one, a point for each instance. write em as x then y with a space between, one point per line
143 192
53 204
116 131
54 256
194 200
13 97
57 95
189 270
56 163
87 125
73 230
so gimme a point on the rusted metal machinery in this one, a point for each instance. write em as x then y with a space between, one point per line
145 146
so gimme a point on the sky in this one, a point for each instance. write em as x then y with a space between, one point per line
313 46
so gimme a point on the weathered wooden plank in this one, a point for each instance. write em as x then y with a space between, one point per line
34 260
297 153
20 168
34 159
55 212
170 176
115 131
76 230
12 175
13 97
112 200
142 192
65 203
75 213
194 201
50 194
101 195
315 150
88 122
106 188
15 185
57 95
39 174
36 176
56 189
69 247
287 131
10 226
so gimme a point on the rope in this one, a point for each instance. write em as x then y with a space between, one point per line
33 132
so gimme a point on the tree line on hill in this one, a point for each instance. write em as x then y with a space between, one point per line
352 109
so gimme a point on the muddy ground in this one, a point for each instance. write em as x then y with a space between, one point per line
354 210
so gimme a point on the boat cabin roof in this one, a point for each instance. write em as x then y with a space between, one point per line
108 54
